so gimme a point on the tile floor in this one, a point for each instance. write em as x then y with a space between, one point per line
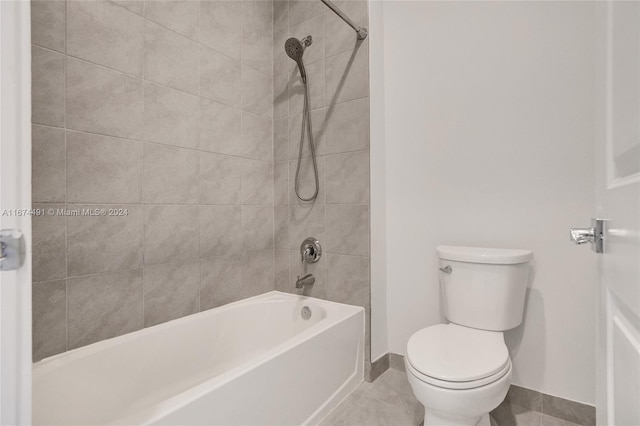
389 401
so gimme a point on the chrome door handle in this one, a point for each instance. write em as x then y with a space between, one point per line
12 249
593 235
582 235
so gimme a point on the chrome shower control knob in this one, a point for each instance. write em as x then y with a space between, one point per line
310 250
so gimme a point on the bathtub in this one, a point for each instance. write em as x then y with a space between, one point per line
253 362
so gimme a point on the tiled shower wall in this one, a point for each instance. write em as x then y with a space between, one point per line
337 67
163 109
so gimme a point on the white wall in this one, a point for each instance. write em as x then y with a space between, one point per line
489 116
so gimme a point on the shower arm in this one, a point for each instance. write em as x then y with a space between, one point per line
360 31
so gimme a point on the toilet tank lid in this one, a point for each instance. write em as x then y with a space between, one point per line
484 255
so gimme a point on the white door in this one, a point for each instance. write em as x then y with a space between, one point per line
15 199
618 200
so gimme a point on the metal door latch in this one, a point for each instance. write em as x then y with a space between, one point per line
12 249
593 235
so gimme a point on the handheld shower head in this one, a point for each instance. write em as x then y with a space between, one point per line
295 49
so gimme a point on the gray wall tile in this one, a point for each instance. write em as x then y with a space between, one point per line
347 178
257 182
103 101
136 127
47 164
49 314
220 78
170 291
220 230
181 16
170 59
281 227
257 92
280 14
281 139
348 229
299 10
104 243
305 221
49 244
347 126
347 76
220 281
170 175
257 36
257 227
281 95
47 87
219 179
101 32
257 272
220 128
103 306
102 169
257 137
48 24
348 280
170 233
170 116
135 6
282 64
221 26
281 271
281 183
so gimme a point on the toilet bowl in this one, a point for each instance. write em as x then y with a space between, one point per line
459 374
461 371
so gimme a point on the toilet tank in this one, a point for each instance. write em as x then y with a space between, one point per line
484 288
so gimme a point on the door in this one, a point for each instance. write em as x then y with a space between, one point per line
618 200
15 200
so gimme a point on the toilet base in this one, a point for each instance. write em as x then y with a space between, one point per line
432 418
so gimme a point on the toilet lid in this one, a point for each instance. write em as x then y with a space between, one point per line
454 353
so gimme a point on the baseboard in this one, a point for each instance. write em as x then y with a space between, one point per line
373 370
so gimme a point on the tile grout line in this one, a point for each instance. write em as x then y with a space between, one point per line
66 197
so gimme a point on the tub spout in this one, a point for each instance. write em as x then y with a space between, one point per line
308 279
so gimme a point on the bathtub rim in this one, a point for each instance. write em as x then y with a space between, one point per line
45 364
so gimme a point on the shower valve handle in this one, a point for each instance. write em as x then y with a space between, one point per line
310 250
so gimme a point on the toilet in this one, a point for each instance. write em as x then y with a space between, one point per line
460 371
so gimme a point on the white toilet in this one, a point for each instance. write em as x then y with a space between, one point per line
461 371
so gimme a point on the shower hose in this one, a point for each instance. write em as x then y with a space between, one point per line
306 125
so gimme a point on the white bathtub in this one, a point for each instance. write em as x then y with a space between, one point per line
253 362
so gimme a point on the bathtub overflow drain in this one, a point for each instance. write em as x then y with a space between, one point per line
305 312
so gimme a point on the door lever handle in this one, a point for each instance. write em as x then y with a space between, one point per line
582 235
593 235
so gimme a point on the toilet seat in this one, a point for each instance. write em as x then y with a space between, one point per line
456 357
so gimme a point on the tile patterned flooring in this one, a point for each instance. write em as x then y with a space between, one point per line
389 401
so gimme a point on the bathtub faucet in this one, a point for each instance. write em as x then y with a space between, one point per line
308 279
